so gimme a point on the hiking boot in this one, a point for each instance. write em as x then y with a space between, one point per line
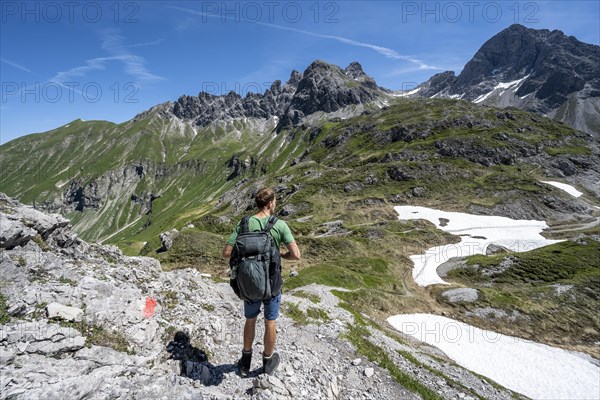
270 363
244 363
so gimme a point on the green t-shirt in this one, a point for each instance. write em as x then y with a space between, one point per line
281 231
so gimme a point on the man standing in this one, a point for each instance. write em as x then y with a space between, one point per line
266 202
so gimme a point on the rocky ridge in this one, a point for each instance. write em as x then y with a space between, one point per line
322 87
81 321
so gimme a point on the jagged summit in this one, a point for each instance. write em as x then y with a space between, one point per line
321 87
354 70
295 77
326 87
319 65
437 84
535 69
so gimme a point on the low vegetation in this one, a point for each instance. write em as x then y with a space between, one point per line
291 310
194 248
169 299
358 334
4 316
314 315
97 334
306 295
549 294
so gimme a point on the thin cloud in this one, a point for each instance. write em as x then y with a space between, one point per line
14 64
153 43
93 64
387 52
408 70
184 25
134 65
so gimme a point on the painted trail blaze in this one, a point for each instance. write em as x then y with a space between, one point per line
149 309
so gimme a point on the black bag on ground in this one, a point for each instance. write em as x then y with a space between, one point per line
255 263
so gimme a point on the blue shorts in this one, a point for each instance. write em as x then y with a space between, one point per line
252 308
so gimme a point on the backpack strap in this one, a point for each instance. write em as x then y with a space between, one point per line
244 225
270 223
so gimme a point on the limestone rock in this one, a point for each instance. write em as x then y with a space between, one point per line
60 311
167 238
467 295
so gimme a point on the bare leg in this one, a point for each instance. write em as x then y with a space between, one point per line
270 336
249 332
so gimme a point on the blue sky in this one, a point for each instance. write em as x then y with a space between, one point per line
110 60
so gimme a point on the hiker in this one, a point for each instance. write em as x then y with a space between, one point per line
280 233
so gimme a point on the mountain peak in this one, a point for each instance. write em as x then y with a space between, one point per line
320 66
521 29
517 27
354 70
327 88
295 77
535 69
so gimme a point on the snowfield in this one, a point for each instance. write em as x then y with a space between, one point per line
535 370
477 233
563 186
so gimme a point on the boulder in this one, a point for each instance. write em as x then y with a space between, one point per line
167 238
13 232
60 311
467 295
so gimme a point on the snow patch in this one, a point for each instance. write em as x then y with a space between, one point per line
514 85
404 94
535 370
563 186
477 232
482 97
507 85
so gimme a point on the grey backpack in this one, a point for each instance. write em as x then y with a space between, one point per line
255 263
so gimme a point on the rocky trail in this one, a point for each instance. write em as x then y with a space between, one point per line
575 227
82 321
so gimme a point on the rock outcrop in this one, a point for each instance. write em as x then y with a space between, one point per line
167 238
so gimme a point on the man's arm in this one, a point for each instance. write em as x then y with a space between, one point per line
293 252
227 250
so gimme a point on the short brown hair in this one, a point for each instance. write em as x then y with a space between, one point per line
264 197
